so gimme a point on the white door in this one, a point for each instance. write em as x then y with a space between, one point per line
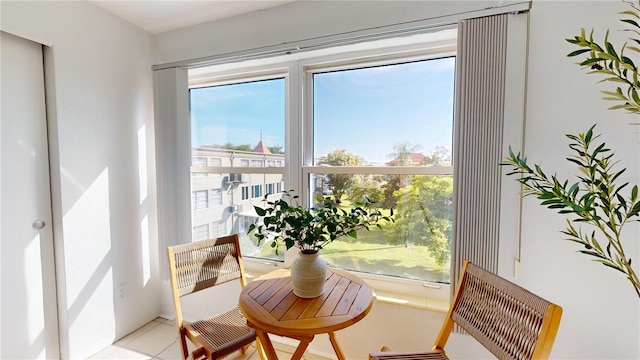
28 291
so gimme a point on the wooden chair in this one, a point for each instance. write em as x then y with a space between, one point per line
511 322
198 266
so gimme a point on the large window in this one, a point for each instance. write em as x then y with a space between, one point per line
377 125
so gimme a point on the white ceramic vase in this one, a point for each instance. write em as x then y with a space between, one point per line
308 274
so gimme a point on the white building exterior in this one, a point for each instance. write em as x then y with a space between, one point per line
222 202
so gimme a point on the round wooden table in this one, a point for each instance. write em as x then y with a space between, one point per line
270 306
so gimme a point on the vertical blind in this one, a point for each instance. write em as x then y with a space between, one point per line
478 127
173 155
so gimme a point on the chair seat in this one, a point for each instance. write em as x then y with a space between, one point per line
225 332
398 355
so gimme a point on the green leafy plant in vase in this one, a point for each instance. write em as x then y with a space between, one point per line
597 199
286 221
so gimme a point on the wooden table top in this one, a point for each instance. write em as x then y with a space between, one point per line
270 304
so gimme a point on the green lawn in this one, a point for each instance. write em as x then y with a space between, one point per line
370 253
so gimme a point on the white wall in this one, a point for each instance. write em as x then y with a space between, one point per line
102 168
302 20
601 311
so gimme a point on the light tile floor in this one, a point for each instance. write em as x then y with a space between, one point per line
158 340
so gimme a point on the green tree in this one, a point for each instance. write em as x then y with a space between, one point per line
439 156
423 215
341 183
276 149
403 153
230 146
401 156
389 188
370 188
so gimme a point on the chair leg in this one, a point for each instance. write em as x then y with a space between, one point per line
244 348
199 354
261 352
183 344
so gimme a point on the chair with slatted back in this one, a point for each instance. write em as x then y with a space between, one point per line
198 266
508 320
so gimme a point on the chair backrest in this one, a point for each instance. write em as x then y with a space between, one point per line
200 265
508 320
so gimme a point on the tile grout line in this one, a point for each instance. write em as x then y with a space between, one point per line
165 349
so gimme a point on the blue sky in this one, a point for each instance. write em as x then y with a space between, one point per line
238 114
366 111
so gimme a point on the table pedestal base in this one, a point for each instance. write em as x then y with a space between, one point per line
270 353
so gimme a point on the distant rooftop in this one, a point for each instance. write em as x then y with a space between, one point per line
416 158
262 148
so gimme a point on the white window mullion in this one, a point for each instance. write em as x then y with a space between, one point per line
294 129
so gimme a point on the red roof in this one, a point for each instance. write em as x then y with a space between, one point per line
262 148
416 158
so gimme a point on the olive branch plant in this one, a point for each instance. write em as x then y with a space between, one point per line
598 198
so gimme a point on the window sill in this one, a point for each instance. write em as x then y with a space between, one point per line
413 302
395 291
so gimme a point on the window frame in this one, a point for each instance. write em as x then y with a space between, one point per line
215 197
194 202
298 125
201 229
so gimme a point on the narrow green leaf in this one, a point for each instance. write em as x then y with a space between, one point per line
615 95
591 253
635 210
589 135
573 41
559 206
597 245
611 265
618 107
578 52
578 162
629 21
629 62
634 95
634 48
629 12
591 61
614 79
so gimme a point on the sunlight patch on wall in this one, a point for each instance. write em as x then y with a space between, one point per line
142 164
97 317
88 240
144 246
34 293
